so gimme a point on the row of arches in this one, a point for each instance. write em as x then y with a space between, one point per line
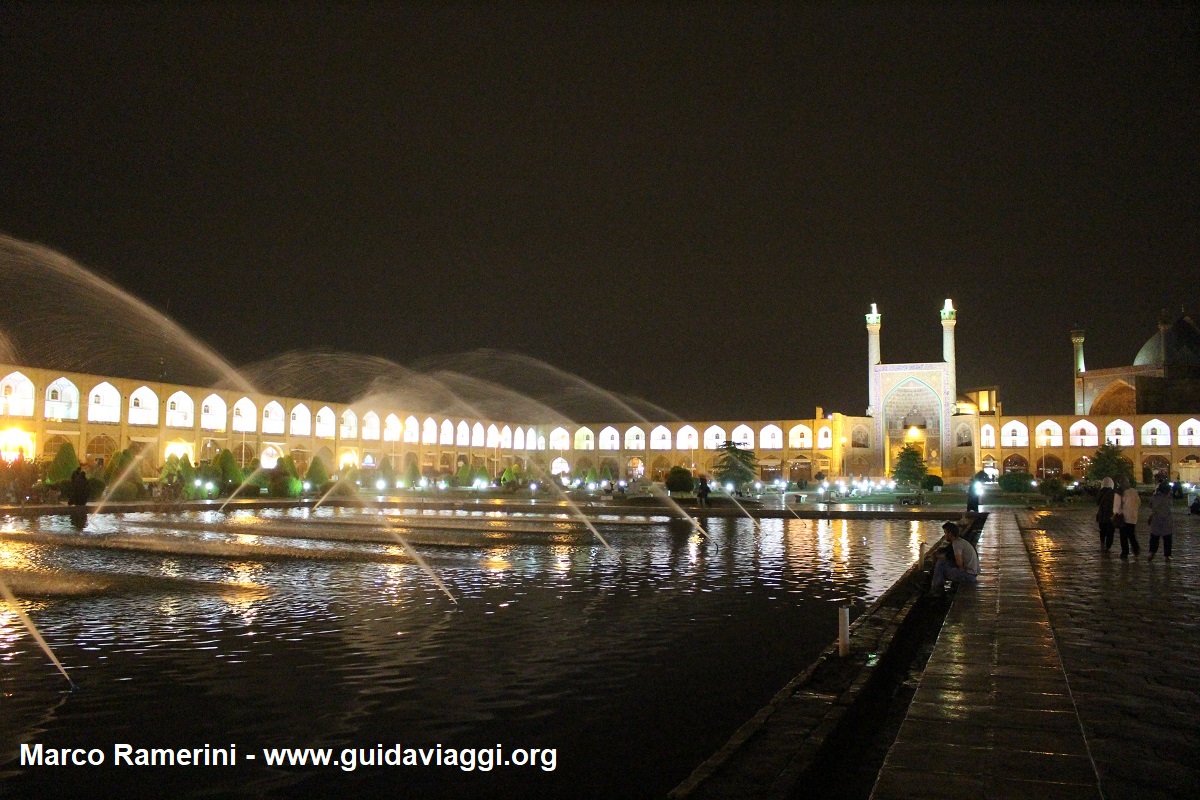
1083 433
1051 466
769 437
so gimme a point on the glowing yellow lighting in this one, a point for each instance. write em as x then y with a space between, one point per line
348 459
181 449
914 432
15 442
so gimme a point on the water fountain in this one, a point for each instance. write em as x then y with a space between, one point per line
7 596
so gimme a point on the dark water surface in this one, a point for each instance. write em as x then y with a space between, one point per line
632 672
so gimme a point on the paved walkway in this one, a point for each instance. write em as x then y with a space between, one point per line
1128 632
1063 674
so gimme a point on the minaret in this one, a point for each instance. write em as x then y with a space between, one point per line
874 323
948 315
1077 341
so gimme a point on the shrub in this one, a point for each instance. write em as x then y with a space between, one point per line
1016 482
1053 489
64 464
464 475
317 475
820 476
284 485
412 475
929 482
680 479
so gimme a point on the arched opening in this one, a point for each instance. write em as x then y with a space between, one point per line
393 429
1049 466
635 439
429 431
659 468
1084 434
610 439
825 438
770 438
493 437
635 468
506 438
560 467
143 406
1119 432
104 404
687 438
560 439
349 429
1015 463
16 395
370 426
53 445
1156 433
463 439
519 439
743 437
584 439
478 437
100 450
962 436
660 438
325 426
800 470
800 437
412 430
714 437
245 416
987 436
1014 434
62 400
1117 398
180 411
273 420
270 457
1048 434
213 413
300 421
1155 468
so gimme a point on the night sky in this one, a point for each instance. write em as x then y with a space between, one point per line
694 205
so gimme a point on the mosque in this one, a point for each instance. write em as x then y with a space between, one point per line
1143 408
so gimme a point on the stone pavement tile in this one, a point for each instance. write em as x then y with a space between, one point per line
963 759
930 733
910 784
1038 741
1006 789
1051 767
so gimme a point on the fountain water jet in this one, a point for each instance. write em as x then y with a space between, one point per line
120 479
33 631
257 471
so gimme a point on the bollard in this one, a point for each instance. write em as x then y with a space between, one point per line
844 631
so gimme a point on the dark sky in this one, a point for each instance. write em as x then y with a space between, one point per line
696 205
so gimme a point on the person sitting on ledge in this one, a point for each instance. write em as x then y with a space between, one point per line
960 562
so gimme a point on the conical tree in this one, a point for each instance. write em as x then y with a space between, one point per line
1109 462
412 475
735 466
464 475
910 466
317 475
65 462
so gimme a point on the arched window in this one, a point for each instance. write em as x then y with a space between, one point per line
1120 433
180 411
962 437
301 421
272 419
429 431
743 437
610 439
1084 434
478 437
660 438
541 442
245 416
143 406
519 439
392 428
800 437
447 434
493 436
860 438
1189 433
412 431
714 437
824 438
560 466
1156 433
584 440
1048 434
213 413
62 400
325 425
635 438
687 438
349 425
1016 463
1014 434
370 426
531 440
16 396
105 404
987 436
100 449
464 434
506 438
770 437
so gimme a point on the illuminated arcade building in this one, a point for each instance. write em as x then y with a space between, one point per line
1142 408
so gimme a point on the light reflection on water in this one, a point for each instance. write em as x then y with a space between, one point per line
653 661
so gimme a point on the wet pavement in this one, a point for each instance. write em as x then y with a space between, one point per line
1065 673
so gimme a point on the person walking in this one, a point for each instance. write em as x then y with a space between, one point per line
1160 520
702 491
1130 504
1104 513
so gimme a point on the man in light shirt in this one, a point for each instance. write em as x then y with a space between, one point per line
960 564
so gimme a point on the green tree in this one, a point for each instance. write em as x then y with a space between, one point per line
592 476
480 473
735 465
507 476
412 475
386 471
123 478
317 476
910 466
64 464
930 482
606 474
1053 489
679 479
1016 482
464 475
1108 462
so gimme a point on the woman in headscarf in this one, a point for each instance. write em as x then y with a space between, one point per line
1104 513
1160 520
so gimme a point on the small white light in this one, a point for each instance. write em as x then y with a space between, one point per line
198 481
307 486
381 484
208 486
729 487
533 487
591 487
757 484
399 484
424 482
